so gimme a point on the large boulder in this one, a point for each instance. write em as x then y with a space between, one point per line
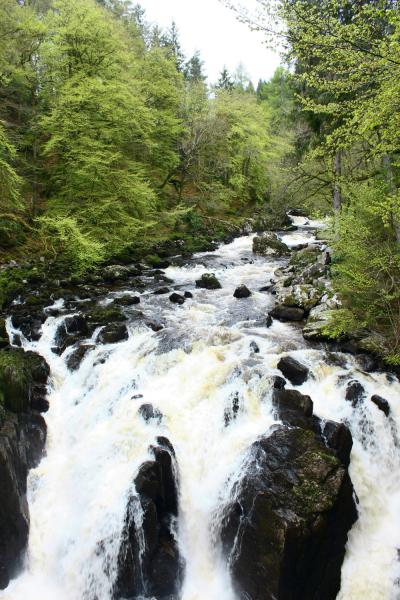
149 562
300 296
292 369
269 244
242 292
208 281
287 313
113 333
23 378
284 533
381 403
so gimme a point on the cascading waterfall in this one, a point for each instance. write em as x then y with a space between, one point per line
190 372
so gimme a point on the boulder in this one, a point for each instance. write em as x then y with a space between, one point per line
292 369
161 291
338 437
23 378
242 292
300 296
149 562
177 298
76 357
287 313
149 413
114 273
254 347
127 300
100 315
188 295
284 533
113 333
269 244
354 392
381 403
155 325
292 407
208 281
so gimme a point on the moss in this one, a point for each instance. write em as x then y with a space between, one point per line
104 315
14 381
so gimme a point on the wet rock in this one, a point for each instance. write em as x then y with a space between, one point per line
336 359
284 534
29 323
254 347
155 325
269 244
338 437
23 376
76 324
277 382
127 300
76 357
354 392
22 439
367 362
177 298
114 273
292 369
287 313
100 315
154 569
113 333
292 407
188 295
208 281
149 413
161 291
268 321
242 292
381 403
232 411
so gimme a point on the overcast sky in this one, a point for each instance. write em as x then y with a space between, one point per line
209 27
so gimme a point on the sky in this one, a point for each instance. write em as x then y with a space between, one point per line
211 28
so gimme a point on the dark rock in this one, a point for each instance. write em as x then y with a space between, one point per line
188 295
268 322
293 408
76 357
161 291
177 298
293 370
155 325
278 383
254 347
338 437
287 313
381 403
113 333
354 392
22 439
232 411
367 362
30 324
104 315
114 273
76 324
284 534
208 281
153 568
127 300
242 292
23 376
149 413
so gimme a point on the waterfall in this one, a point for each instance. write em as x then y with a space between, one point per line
191 371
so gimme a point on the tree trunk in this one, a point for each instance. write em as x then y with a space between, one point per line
337 192
391 184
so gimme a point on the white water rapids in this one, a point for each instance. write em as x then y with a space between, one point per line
190 371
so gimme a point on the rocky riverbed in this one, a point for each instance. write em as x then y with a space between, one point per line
188 433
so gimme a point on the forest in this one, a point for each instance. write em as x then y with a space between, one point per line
112 142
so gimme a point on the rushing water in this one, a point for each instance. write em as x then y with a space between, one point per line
190 371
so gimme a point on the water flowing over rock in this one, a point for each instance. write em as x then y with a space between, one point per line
149 561
285 530
208 281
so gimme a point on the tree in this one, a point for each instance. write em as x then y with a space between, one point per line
225 81
193 69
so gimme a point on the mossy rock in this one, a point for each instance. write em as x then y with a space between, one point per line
269 244
104 315
19 372
304 258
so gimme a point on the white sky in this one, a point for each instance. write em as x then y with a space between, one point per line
207 26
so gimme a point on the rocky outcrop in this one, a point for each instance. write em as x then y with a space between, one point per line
149 564
292 369
285 530
208 281
23 378
287 313
242 291
268 244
